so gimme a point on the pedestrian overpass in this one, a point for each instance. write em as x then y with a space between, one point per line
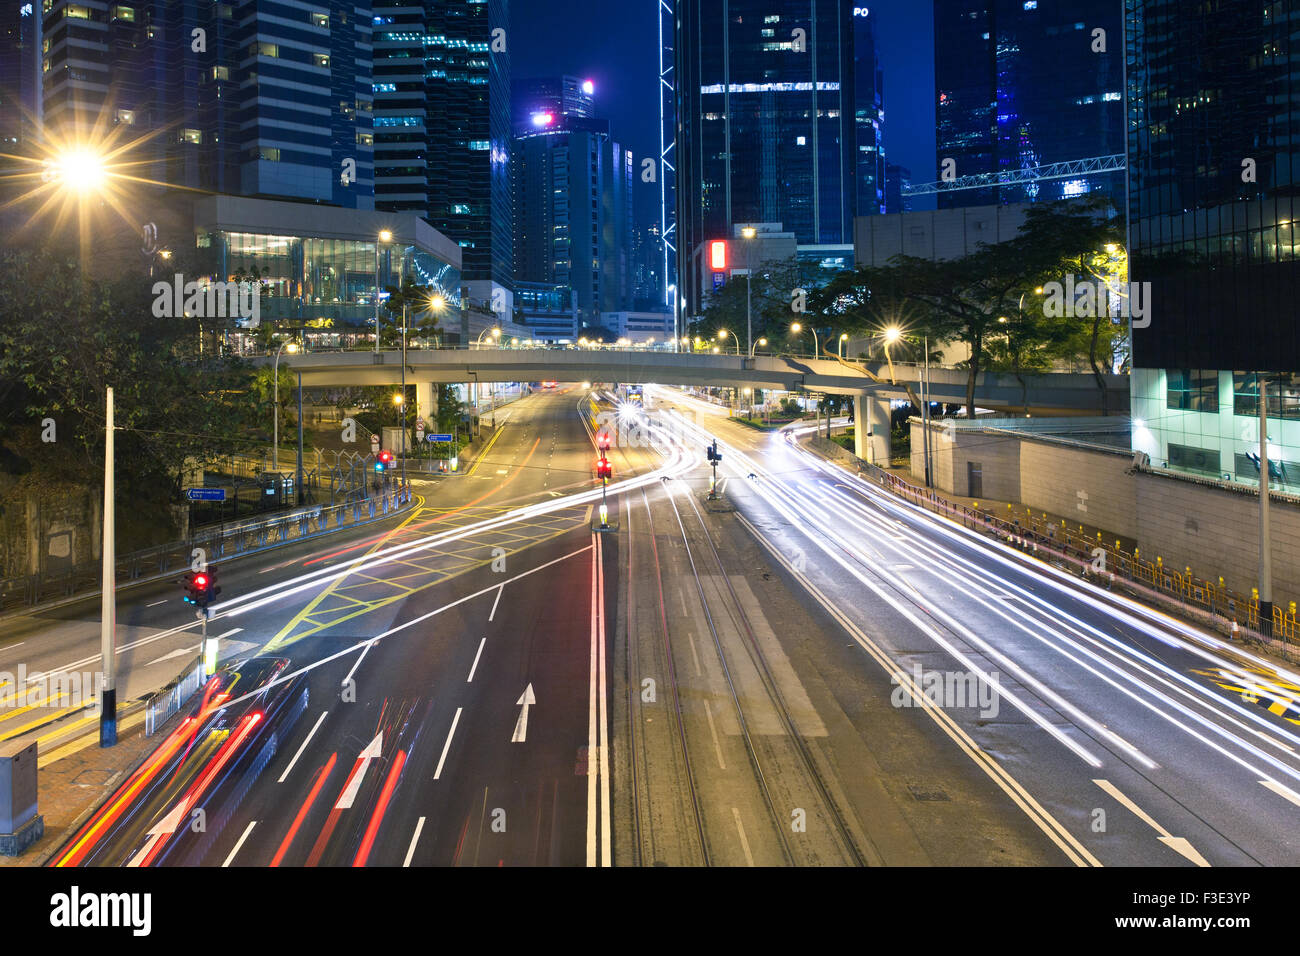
871 384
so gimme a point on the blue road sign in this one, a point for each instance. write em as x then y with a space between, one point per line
440 436
206 494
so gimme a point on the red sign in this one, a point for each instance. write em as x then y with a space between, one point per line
718 255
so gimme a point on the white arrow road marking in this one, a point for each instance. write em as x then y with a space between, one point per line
526 700
180 652
1178 844
349 793
164 827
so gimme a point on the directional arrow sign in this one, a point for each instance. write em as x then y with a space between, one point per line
359 771
1179 845
206 494
526 700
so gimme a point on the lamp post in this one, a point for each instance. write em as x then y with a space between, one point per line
894 334
748 232
385 236
275 384
796 328
761 341
1265 531
844 337
495 333
722 337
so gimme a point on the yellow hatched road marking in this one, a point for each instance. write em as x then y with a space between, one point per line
479 460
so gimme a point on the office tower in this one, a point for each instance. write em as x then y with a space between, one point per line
766 127
897 178
1212 207
868 117
572 188
256 98
1022 84
20 74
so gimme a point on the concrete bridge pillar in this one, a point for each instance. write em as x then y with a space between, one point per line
426 404
871 426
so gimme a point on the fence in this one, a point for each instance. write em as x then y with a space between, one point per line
160 706
1093 557
249 537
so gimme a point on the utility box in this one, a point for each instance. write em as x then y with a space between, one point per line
20 824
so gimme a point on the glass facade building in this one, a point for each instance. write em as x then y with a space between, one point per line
312 266
257 99
767 122
1213 202
442 124
1025 83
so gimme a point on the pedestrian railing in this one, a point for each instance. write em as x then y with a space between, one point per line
220 543
159 708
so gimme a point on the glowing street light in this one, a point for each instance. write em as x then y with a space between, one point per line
761 341
275 384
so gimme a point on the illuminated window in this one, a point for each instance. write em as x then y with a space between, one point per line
126 117
126 14
45 65
321 20
191 136
221 72
270 153
264 49
75 12
365 139
321 59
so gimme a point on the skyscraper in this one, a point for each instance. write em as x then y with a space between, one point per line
766 126
572 189
868 117
1026 83
20 73
442 127
1213 202
273 103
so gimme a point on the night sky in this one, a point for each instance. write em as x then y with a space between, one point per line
615 44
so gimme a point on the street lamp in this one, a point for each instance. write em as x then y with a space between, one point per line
894 334
722 337
385 237
495 333
748 232
761 341
844 337
275 384
796 328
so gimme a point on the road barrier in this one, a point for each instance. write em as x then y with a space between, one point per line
157 563
159 708
1095 559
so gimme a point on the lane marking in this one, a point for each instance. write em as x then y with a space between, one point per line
1179 845
744 843
592 740
713 730
470 678
447 746
1281 791
606 848
242 838
155 604
493 614
311 733
1066 841
415 838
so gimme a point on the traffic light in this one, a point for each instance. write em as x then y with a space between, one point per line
201 587
603 441
713 453
604 470
383 460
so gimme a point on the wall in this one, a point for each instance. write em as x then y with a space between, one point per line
1184 521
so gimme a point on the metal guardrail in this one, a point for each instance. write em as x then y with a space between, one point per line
1081 554
222 543
159 708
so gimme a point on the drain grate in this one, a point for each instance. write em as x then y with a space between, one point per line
929 794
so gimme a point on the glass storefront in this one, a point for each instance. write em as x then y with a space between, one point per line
306 279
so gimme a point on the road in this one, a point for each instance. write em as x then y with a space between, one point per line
1122 735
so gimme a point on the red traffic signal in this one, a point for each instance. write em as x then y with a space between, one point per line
386 457
604 470
201 581
603 441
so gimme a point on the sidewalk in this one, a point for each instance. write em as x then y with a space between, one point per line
71 787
